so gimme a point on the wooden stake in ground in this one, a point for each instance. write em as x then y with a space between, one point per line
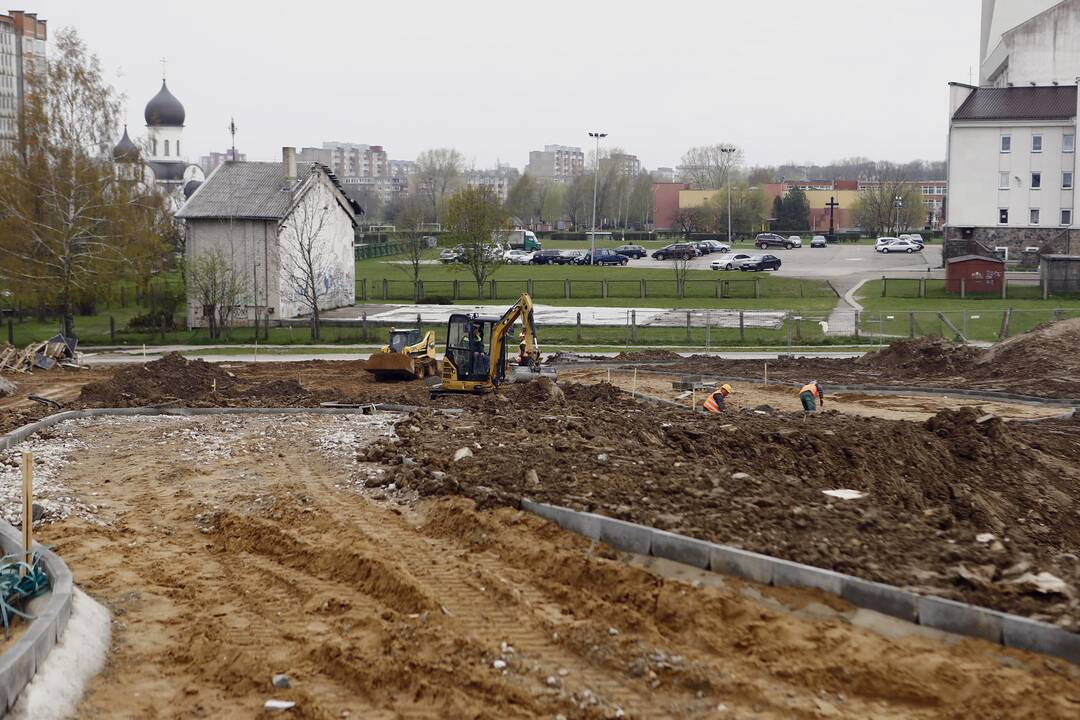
693 399
28 508
633 392
766 373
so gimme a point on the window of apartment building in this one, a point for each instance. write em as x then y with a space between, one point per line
1036 143
166 148
1034 216
178 148
1003 216
1068 143
1066 217
1003 181
1066 180
153 146
1036 180
1006 143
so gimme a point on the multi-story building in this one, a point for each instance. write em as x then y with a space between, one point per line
387 189
23 39
557 162
323 156
624 163
355 160
663 175
1012 142
210 162
499 180
402 168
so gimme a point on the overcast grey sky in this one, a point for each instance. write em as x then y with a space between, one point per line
802 80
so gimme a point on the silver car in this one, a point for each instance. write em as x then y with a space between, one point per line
730 261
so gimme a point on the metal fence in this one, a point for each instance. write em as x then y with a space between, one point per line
1012 289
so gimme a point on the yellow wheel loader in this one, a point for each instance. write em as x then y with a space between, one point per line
476 352
407 357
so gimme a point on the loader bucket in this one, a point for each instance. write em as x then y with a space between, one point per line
393 366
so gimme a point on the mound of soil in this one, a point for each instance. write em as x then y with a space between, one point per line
169 379
757 481
924 356
1048 348
648 356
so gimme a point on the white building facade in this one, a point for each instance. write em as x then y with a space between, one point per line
1029 42
1012 169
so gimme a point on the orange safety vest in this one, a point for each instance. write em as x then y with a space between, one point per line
711 405
812 389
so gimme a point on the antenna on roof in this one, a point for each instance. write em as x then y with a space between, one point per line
232 132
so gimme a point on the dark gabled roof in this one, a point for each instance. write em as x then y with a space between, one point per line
253 191
1050 102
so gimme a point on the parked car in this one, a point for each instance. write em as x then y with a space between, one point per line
907 246
795 240
447 255
819 241
883 241
602 256
633 251
913 237
568 257
680 251
714 246
730 261
761 263
518 257
546 257
767 240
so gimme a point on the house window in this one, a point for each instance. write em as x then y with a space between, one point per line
1066 217
1066 181
166 148
1003 216
1006 143
1036 143
1068 143
1036 178
1034 216
1003 181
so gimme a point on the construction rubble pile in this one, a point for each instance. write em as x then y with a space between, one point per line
46 355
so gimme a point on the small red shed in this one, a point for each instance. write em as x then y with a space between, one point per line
980 274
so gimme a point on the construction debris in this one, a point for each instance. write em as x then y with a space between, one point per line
7 388
40 355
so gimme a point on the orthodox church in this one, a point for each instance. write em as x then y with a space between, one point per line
164 165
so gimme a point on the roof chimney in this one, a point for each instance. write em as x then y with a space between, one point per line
288 161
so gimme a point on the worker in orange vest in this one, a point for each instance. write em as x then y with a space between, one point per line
715 402
811 394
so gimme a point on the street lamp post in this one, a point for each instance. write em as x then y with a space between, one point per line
898 203
595 184
728 150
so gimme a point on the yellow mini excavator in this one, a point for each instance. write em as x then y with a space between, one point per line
476 351
407 357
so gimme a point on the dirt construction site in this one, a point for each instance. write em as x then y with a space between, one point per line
380 563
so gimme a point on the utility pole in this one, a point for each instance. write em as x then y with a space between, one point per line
729 151
898 203
595 184
232 132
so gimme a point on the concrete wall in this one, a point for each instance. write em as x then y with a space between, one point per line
1045 49
998 18
250 247
318 212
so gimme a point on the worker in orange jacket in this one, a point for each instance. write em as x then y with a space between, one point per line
715 402
811 394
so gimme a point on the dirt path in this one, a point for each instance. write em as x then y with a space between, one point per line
751 395
232 548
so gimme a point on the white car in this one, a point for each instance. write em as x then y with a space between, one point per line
716 246
518 257
907 246
795 240
913 237
730 261
883 241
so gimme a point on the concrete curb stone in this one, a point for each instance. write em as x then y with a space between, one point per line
1024 634
687 551
742 564
885 599
960 618
791 574
625 536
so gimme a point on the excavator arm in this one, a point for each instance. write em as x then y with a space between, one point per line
523 310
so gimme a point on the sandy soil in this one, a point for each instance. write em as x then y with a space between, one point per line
229 549
751 395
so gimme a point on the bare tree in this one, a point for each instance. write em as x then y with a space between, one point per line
310 272
474 216
415 245
218 289
888 202
58 201
708 167
681 265
438 172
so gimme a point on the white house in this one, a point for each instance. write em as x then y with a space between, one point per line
1012 169
258 215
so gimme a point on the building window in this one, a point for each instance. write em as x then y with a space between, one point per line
1068 143
1066 181
1066 217
153 148
1036 177
1003 181
178 148
1006 143
1036 143
1003 216
167 149
1034 216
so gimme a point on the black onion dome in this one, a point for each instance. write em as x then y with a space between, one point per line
164 109
125 150
191 187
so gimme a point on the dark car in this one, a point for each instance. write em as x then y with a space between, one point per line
546 257
766 240
568 257
677 251
760 263
602 256
634 251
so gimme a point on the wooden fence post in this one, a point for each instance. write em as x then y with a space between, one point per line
529 287
633 325
363 288
911 324
719 289
757 288
798 327
363 323
457 290
385 289
922 287
884 285
687 324
494 290
858 317
603 288
1004 288
742 325
643 288
578 326
1005 318
566 288
963 288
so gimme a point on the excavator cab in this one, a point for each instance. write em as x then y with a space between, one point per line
401 339
470 342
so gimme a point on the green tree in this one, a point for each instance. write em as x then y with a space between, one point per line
521 199
749 210
791 212
474 215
